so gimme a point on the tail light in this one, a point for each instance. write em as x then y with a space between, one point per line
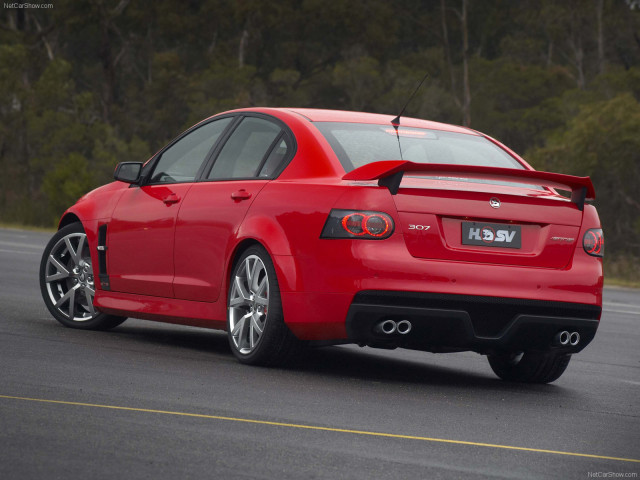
593 242
357 224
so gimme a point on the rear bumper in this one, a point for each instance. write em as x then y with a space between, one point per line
322 293
446 323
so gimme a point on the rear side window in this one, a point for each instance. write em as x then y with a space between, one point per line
275 158
252 149
181 161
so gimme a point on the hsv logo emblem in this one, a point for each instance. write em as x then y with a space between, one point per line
491 235
494 202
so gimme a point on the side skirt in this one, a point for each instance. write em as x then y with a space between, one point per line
168 310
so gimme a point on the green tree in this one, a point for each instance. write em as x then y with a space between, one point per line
520 104
602 141
93 82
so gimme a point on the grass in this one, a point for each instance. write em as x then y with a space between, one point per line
620 282
30 228
622 271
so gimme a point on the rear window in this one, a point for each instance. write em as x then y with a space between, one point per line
358 144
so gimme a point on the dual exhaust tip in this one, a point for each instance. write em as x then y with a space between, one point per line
565 338
389 327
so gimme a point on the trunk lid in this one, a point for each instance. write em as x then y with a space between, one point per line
502 220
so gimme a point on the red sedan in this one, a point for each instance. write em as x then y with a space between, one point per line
291 227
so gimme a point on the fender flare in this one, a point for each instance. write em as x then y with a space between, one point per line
265 231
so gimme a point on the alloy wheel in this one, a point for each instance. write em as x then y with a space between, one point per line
248 304
68 276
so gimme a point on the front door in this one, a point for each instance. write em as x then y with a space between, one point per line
142 230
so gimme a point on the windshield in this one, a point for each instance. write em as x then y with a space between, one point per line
358 144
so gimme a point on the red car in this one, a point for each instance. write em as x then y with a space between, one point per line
290 227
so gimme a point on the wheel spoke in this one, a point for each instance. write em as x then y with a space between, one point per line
72 304
252 272
237 302
262 286
248 270
60 274
237 327
257 269
89 294
255 323
240 327
244 295
243 331
238 297
76 255
71 297
81 241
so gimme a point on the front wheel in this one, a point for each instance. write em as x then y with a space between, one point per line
255 323
67 281
529 367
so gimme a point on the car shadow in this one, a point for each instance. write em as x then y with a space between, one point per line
365 364
188 338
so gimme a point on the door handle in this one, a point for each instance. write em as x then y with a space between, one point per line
171 199
241 195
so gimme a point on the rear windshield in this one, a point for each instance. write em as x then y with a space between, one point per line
358 144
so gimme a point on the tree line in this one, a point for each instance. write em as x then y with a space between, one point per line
89 83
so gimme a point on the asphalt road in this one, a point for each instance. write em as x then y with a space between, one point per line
148 400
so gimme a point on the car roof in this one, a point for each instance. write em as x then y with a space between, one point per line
323 115
320 115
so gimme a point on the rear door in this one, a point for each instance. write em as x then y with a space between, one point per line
214 208
142 229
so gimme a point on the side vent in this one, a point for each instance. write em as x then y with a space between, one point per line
102 257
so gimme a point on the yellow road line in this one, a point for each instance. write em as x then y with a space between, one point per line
325 429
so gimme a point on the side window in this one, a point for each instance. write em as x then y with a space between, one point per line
245 151
275 158
181 161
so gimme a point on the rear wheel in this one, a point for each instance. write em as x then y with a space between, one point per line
67 282
255 323
529 367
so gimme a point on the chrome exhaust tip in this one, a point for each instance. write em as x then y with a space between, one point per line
574 339
386 327
404 327
562 338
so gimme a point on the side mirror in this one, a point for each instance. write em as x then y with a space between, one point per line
128 172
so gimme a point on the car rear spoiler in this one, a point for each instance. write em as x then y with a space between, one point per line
389 174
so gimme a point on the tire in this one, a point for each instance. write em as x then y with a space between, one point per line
255 322
66 281
529 367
